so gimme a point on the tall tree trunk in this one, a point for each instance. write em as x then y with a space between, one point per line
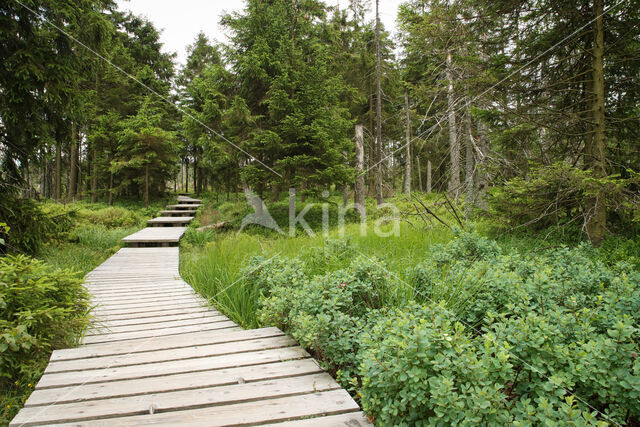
379 197
146 185
110 180
482 179
428 176
597 210
359 191
371 148
454 145
78 155
58 172
25 176
186 176
419 174
43 176
407 166
468 167
94 174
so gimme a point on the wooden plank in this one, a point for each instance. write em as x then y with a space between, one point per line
170 220
146 315
101 328
110 298
171 354
133 286
143 345
171 367
186 381
118 305
183 206
269 410
182 199
204 314
352 419
152 309
156 234
177 400
174 212
93 339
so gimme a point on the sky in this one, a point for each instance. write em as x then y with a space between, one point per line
180 21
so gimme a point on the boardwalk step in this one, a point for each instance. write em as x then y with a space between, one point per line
158 354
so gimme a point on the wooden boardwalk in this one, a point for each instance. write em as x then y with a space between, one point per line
158 354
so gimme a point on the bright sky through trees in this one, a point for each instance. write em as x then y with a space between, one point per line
182 21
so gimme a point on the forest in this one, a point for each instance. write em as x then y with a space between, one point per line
503 135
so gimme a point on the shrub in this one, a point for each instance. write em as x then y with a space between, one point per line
31 225
113 217
419 365
324 313
494 337
559 194
41 309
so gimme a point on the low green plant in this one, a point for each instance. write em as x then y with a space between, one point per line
494 336
31 225
41 309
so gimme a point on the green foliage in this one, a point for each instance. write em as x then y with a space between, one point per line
323 313
31 225
112 216
558 195
41 309
85 248
495 337
298 124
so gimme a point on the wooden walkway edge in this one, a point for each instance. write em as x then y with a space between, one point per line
157 353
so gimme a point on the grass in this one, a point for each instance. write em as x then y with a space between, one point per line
214 267
87 247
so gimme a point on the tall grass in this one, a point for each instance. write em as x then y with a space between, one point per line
214 269
96 233
86 247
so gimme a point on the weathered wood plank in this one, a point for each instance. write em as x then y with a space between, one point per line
175 212
171 367
126 304
151 309
178 400
204 314
143 345
269 410
352 419
102 329
156 234
186 381
143 296
170 220
148 314
94 339
172 354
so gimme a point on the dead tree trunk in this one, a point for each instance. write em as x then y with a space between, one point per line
407 166
469 164
379 197
419 173
359 191
454 145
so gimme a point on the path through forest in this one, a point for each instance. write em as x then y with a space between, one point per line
158 354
